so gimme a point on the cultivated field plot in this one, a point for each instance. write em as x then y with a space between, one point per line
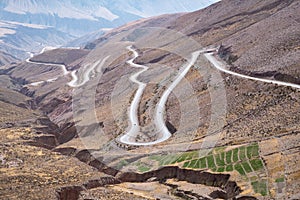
244 161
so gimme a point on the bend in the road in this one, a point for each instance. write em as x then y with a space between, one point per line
87 73
221 67
74 82
133 113
159 113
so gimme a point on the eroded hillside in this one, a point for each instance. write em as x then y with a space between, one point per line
231 137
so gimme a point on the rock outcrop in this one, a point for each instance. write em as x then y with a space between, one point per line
230 188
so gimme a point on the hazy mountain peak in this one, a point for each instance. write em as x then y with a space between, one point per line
146 8
64 9
71 19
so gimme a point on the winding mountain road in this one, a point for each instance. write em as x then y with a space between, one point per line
63 67
88 70
130 137
162 130
160 109
134 130
75 82
221 67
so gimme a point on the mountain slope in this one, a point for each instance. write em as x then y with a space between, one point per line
256 138
23 22
19 39
244 28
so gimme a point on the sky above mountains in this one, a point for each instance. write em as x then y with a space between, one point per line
95 10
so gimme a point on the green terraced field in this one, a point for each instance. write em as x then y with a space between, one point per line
244 159
143 168
210 162
121 164
247 167
229 168
256 164
202 162
252 151
260 187
220 159
228 157
235 156
279 180
238 167
242 153
221 169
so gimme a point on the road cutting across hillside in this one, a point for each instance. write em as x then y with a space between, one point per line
221 67
88 70
75 82
129 138
163 133
63 67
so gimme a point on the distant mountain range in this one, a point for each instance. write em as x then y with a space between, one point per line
226 98
59 22
19 39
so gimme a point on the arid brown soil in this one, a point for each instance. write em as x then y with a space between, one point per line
29 172
263 38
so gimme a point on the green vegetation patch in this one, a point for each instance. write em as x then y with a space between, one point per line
221 169
186 164
182 157
214 169
210 162
197 165
143 168
242 153
238 167
256 164
162 160
252 151
228 157
186 156
279 180
255 150
169 160
159 158
235 156
260 187
175 158
244 160
121 164
220 159
192 164
247 167
229 168
202 162
194 154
